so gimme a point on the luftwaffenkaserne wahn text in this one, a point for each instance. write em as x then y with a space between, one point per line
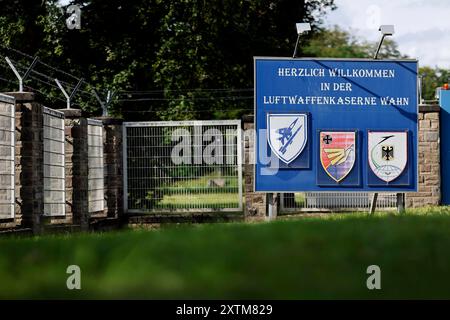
348 86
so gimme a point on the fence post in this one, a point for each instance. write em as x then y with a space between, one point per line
272 206
431 154
29 191
255 203
113 162
76 167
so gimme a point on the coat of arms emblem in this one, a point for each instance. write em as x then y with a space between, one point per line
388 154
337 153
287 134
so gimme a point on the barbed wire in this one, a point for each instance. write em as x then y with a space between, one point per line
45 79
194 90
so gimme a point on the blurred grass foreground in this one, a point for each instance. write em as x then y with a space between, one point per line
289 259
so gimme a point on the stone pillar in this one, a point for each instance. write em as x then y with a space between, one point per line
76 149
429 191
255 203
113 161
29 158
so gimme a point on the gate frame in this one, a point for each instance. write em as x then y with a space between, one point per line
239 146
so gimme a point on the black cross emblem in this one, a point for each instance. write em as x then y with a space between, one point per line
387 152
327 139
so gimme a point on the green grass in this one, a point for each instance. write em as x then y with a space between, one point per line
304 258
202 200
195 193
202 182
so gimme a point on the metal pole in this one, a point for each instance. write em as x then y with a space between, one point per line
76 88
102 104
64 93
400 202
16 73
109 98
296 46
35 60
373 204
379 46
20 78
68 98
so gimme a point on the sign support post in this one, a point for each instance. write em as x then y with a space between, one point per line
400 202
385 31
272 203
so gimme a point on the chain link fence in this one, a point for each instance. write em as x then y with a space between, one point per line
184 166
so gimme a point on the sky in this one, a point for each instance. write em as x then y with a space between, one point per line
422 27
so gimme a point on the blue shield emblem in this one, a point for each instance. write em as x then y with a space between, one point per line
287 134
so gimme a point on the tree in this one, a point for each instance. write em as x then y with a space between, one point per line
188 58
431 80
338 43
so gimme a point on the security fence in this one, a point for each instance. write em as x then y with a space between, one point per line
7 145
182 166
96 189
54 162
334 201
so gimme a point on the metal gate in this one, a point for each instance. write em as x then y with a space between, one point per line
334 201
182 166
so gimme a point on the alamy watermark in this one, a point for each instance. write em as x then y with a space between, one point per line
218 147
73 282
74 20
373 282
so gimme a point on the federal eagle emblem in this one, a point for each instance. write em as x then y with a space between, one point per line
388 154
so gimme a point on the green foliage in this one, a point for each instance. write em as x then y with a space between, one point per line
338 43
182 49
432 79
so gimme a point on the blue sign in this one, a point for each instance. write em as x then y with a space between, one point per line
335 125
444 101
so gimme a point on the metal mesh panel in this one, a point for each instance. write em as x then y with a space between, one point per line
54 173
336 201
7 144
167 167
96 167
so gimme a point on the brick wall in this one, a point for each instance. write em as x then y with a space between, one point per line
255 203
29 167
76 169
28 161
112 140
429 192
